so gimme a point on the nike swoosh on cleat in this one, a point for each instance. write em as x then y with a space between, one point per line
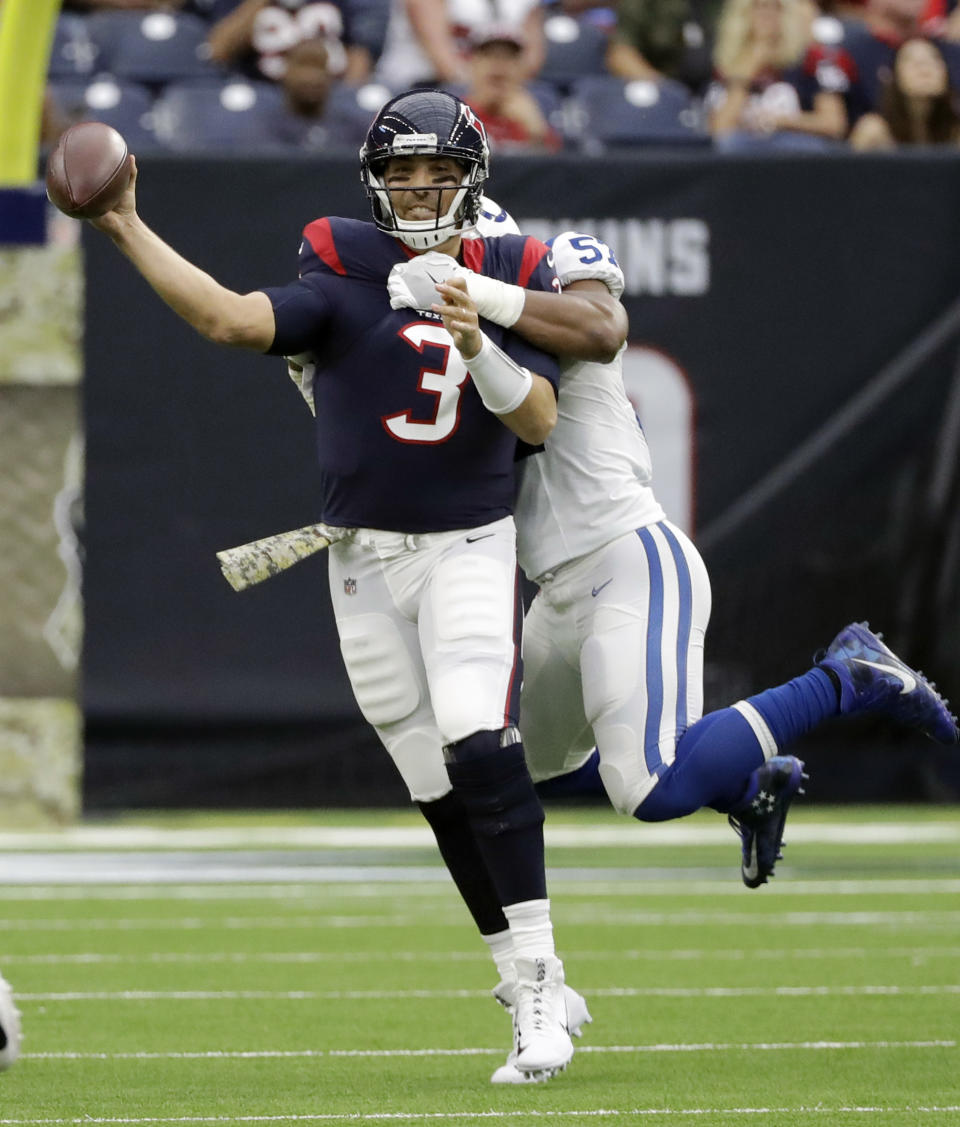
596 590
908 679
750 871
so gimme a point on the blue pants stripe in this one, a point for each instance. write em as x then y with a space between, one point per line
651 734
685 585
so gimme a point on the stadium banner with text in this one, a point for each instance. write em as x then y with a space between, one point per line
794 329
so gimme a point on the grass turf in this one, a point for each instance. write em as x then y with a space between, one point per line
338 985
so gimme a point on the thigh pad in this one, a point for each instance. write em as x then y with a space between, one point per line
380 668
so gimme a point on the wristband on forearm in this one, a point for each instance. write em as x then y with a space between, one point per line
499 302
502 383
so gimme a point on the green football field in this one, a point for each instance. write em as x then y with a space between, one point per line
319 968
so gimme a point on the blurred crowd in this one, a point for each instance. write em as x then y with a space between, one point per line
543 75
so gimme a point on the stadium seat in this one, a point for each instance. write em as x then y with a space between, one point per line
549 99
127 106
68 98
202 117
575 49
124 105
357 106
606 112
155 48
72 53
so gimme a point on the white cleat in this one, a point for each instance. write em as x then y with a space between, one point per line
578 1016
577 1013
9 1026
541 1039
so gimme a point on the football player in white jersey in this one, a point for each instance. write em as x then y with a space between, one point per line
613 642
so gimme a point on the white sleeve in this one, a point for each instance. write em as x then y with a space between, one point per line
577 256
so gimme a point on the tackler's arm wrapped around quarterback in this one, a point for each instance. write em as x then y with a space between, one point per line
587 323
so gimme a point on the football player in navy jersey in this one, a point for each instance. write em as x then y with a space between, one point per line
417 416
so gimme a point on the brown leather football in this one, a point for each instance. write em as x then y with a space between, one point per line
89 170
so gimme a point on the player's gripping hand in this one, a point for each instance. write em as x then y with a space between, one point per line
413 284
125 208
459 313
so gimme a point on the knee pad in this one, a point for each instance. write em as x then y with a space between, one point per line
419 760
622 770
379 667
493 783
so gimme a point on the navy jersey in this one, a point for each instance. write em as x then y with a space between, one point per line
403 439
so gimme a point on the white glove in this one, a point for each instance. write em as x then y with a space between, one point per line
413 284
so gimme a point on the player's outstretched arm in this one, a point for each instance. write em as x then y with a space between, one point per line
219 314
585 322
522 400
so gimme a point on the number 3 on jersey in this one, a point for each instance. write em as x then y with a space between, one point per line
443 382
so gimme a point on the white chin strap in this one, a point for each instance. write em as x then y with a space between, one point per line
422 234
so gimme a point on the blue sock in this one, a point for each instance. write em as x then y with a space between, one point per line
793 709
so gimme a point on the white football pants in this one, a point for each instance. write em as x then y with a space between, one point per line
613 659
429 628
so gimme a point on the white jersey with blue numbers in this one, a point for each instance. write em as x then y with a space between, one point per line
592 480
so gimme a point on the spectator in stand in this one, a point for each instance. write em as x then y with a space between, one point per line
428 41
868 50
655 39
918 106
307 121
497 94
766 93
258 34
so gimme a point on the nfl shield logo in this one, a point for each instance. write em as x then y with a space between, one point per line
349 586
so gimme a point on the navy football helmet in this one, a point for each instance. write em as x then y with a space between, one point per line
426 122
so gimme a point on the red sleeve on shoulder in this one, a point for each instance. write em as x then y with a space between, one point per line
474 251
319 235
533 254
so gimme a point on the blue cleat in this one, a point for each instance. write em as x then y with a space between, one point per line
874 680
760 815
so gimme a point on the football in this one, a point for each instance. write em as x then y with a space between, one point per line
89 170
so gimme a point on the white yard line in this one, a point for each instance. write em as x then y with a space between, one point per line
94 881
380 995
819 1111
626 833
893 920
915 955
294 1054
